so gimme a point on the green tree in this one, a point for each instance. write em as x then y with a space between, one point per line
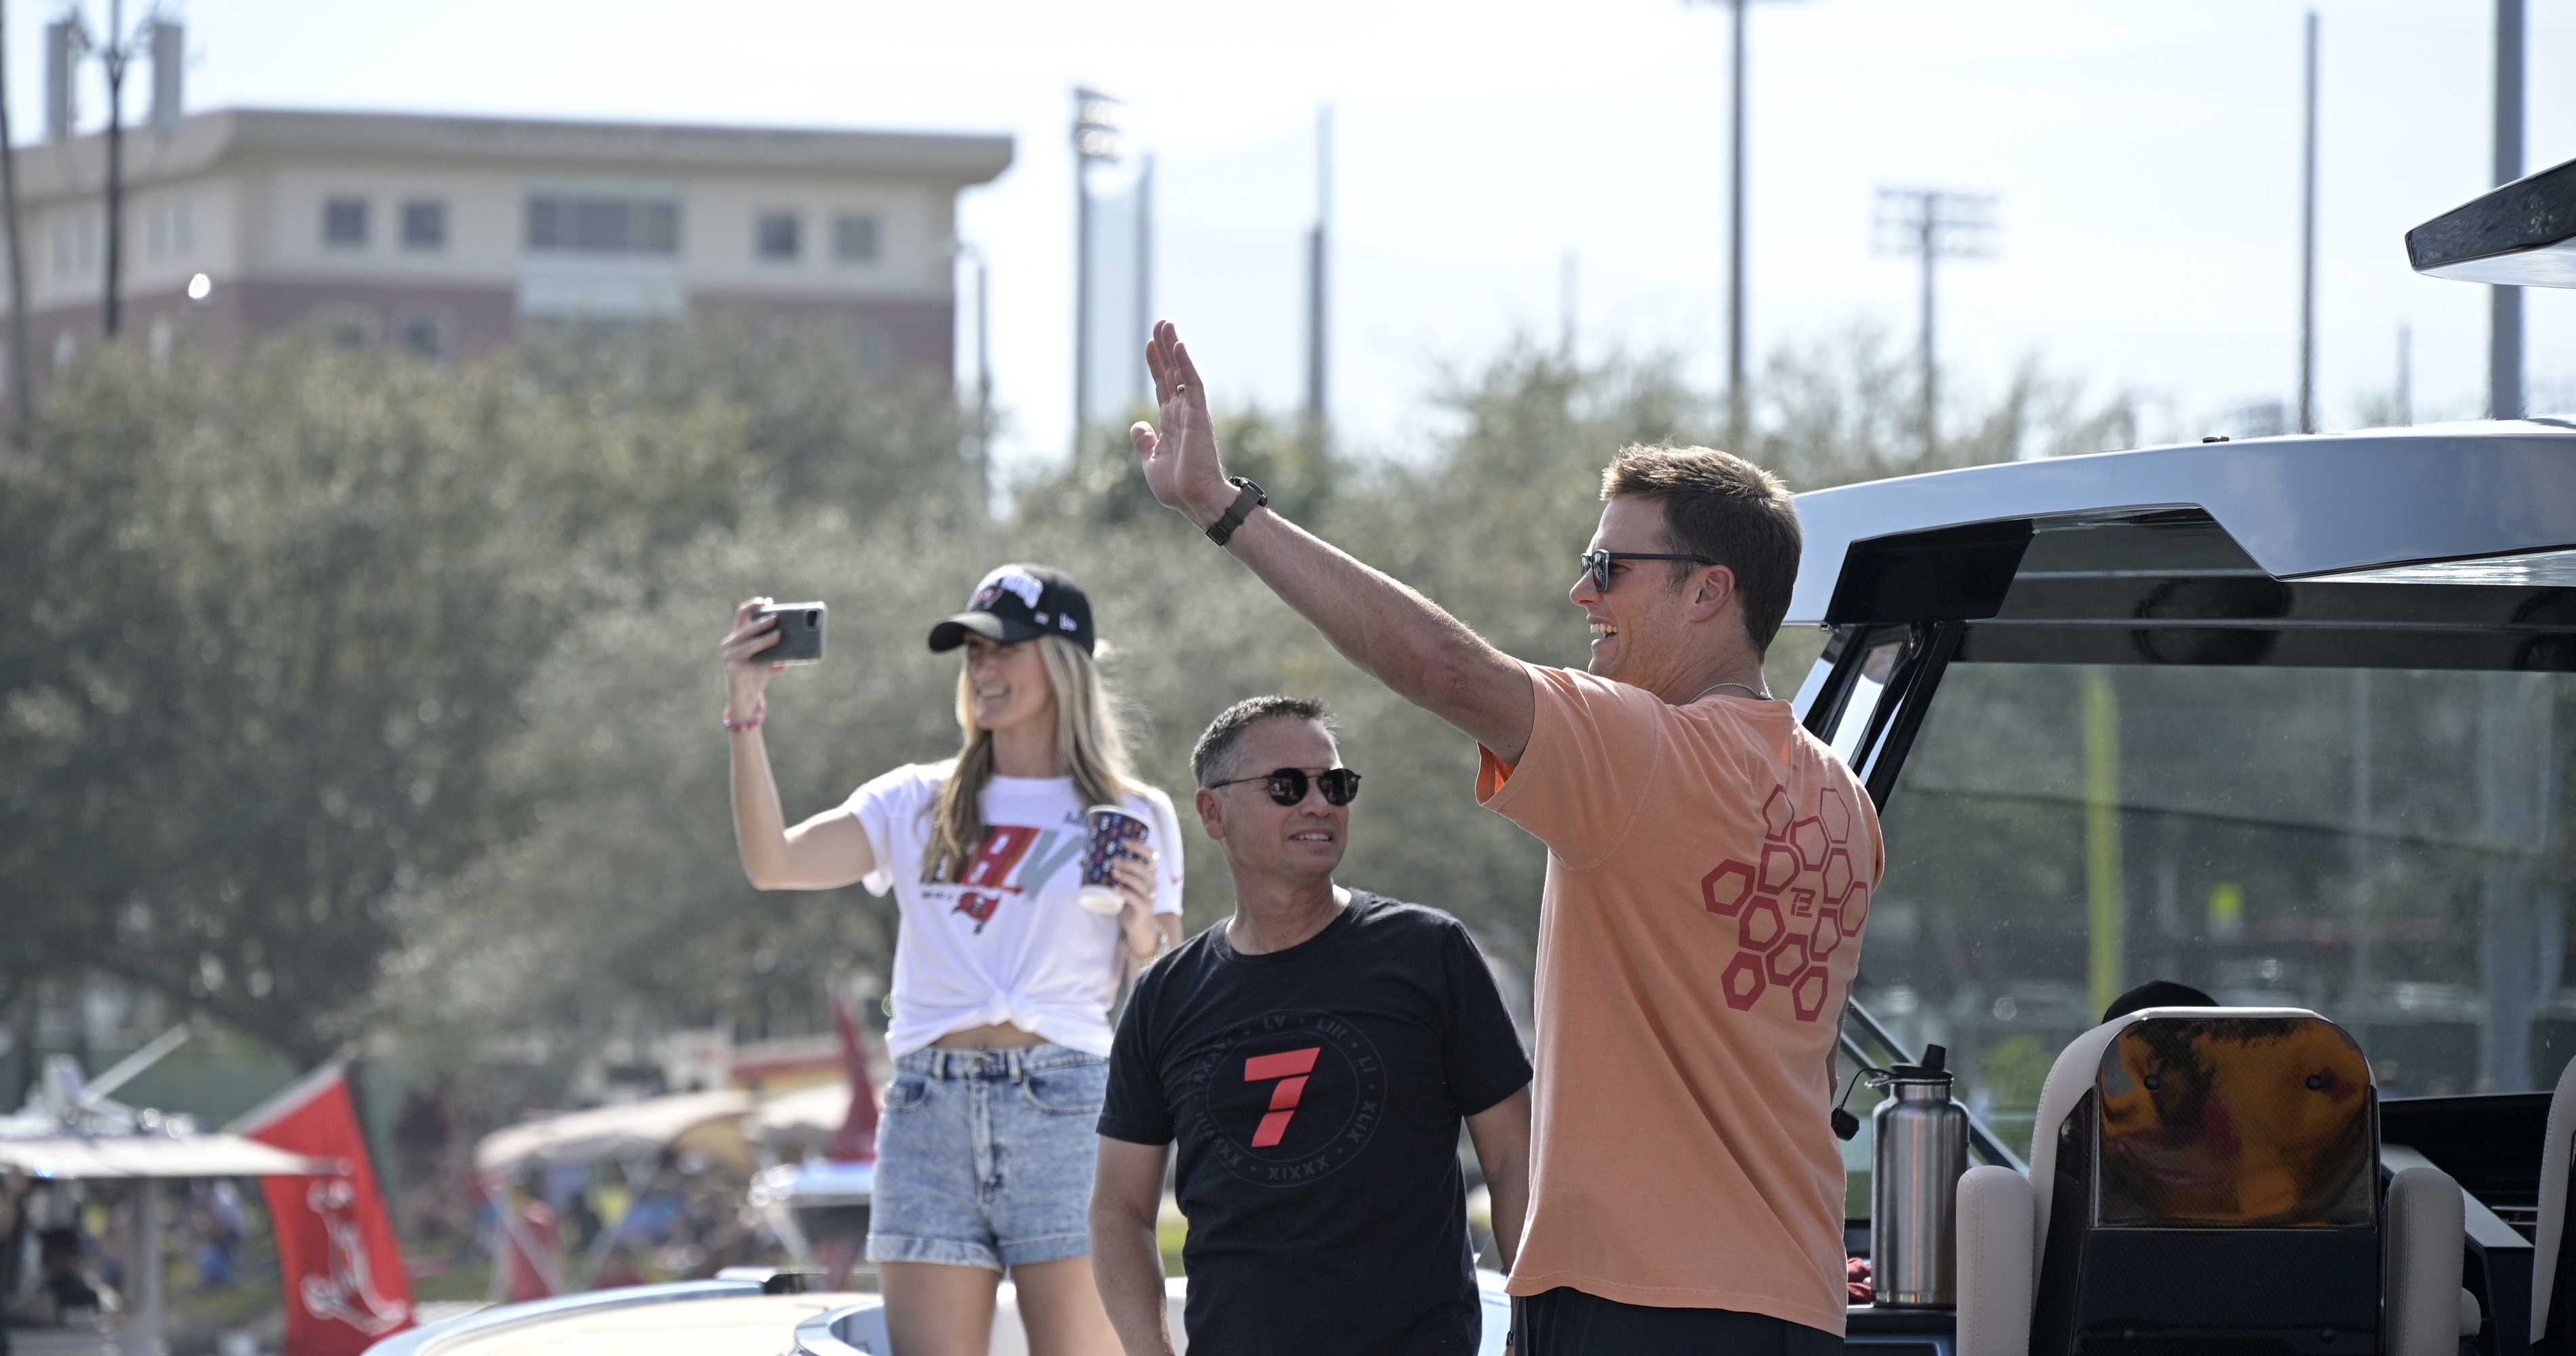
276 618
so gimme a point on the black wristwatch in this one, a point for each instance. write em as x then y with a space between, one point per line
1252 498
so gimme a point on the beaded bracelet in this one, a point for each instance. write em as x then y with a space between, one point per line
759 713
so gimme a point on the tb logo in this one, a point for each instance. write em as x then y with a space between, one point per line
1291 1068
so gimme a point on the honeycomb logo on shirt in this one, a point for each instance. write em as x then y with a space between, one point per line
1285 1098
1794 908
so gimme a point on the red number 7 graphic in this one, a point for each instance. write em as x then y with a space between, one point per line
1290 1067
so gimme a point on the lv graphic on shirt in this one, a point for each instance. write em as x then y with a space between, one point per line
1006 941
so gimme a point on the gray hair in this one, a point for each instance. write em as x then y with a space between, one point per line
1212 759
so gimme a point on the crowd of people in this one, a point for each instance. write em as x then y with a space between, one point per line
1660 1168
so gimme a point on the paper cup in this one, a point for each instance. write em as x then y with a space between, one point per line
1112 829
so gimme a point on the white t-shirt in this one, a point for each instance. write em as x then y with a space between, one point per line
1008 943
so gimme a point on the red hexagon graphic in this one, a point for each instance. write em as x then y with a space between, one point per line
1776 814
1779 866
1855 910
1725 888
1807 996
1808 836
1802 903
1761 925
1838 873
1743 981
1787 961
1835 815
1827 935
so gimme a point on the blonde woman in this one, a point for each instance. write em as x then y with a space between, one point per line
1002 981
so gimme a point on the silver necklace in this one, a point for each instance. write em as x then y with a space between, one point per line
1762 694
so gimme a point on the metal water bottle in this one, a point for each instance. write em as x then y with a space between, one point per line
1921 1150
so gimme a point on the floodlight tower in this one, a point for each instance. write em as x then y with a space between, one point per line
1095 141
1933 224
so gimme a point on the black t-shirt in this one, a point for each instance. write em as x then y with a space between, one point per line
1316 1094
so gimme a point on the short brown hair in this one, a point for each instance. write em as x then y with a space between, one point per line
1719 505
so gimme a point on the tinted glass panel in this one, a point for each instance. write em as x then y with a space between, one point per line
603 225
2381 847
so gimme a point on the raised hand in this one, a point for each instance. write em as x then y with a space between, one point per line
747 675
1181 464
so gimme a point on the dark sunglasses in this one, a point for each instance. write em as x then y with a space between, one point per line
1597 563
1288 784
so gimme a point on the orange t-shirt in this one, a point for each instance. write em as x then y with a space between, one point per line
1709 868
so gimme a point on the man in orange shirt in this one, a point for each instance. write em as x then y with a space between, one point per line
1709 872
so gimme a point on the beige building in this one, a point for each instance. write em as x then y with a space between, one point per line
446 236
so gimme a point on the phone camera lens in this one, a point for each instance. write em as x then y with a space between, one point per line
813 617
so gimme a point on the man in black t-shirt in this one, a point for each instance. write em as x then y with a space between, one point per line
1313 1058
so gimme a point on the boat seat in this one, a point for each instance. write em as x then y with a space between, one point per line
2207 1179
2553 1264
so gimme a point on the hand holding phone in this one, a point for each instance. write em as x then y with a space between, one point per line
800 632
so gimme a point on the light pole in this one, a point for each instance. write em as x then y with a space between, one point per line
1095 138
979 468
114 56
1738 414
2308 244
21 365
1318 347
1933 224
2504 313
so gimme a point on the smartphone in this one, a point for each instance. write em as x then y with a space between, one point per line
800 633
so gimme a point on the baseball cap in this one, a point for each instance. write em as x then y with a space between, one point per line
1017 603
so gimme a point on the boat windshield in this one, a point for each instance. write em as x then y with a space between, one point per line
2381 846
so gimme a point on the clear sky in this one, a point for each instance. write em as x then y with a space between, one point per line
2145 157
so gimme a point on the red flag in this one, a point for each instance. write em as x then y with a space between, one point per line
856 1140
343 1270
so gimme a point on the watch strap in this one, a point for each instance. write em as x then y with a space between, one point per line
1252 497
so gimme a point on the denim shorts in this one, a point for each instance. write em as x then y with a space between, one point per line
984 1157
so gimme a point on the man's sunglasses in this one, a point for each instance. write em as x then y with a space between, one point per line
1288 784
1597 563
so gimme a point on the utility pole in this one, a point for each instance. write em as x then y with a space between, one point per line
2504 313
1318 345
2308 245
1144 385
1095 138
21 370
1933 224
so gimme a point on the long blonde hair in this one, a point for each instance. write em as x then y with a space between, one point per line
1088 735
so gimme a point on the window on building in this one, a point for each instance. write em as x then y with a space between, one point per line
425 332
854 238
183 227
585 224
778 235
871 347
424 224
158 231
346 326
344 223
